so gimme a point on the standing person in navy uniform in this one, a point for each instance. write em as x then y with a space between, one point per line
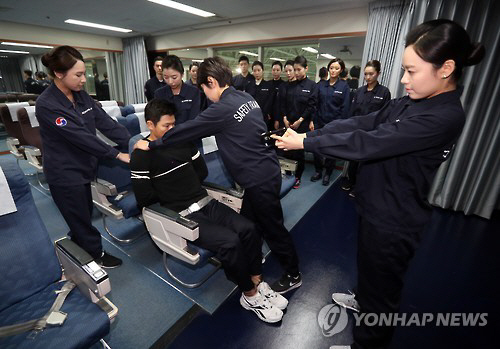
242 80
333 104
276 82
262 92
368 98
156 81
185 97
193 73
237 123
30 84
68 119
299 108
402 146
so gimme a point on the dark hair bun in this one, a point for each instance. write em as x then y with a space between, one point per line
476 54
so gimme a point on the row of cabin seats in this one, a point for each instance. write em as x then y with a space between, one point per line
17 97
24 140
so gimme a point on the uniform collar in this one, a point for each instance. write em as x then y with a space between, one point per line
227 91
182 92
443 98
59 95
374 90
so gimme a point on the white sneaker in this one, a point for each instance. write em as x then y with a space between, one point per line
261 306
275 298
346 300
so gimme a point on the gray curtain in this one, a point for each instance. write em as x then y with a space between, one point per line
470 180
135 69
31 62
12 79
114 67
385 43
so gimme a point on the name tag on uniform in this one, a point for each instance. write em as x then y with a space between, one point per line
186 101
86 111
377 97
308 91
339 92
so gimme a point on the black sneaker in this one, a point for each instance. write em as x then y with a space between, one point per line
316 177
287 283
326 180
108 261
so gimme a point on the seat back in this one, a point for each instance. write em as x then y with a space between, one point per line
108 103
113 111
138 108
128 109
24 242
25 97
29 126
8 114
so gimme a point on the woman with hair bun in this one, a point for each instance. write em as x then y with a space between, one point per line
368 98
68 119
401 147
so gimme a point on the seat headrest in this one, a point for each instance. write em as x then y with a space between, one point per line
142 121
14 107
113 111
31 114
109 103
139 107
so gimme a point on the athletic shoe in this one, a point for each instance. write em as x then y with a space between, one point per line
296 184
346 300
261 306
287 283
275 298
108 261
316 177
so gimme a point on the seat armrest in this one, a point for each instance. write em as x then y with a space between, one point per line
169 231
106 188
288 165
15 148
33 155
81 268
229 197
173 216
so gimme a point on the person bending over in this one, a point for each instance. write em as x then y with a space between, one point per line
172 176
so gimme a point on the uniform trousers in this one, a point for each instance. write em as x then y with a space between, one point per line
321 162
383 258
233 239
75 204
261 204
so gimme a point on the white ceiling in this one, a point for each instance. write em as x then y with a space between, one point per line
147 18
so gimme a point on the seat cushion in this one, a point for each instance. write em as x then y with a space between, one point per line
287 183
127 203
85 325
204 254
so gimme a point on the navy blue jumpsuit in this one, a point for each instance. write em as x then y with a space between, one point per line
400 147
187 102
70 153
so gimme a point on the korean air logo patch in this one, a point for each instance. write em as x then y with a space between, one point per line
61 122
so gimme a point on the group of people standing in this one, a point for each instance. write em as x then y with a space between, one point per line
400 142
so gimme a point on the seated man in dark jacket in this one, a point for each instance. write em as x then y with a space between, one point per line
172 176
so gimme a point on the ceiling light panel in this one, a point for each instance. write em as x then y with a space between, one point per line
181 7
99 26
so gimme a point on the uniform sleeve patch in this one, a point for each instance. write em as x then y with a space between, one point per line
60 121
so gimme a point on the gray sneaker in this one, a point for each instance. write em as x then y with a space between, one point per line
346 300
